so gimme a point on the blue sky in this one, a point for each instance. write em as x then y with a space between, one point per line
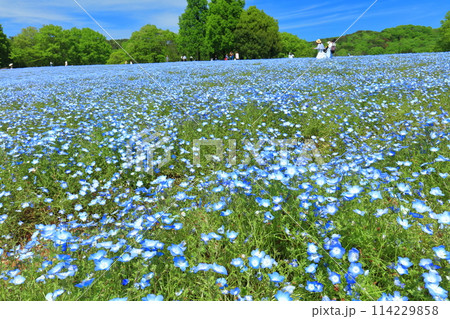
307 19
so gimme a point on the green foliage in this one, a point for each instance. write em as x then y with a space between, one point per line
444 33
257 35
149 42
118 57
291 43
401 39
220 25
192 34
24 51
86 46
4 48
33 47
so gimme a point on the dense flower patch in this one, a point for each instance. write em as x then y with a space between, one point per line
227 181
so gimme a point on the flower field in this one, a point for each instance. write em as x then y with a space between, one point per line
284 179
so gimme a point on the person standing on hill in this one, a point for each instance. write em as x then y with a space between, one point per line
320 48
331 48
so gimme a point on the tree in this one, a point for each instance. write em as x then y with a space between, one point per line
5 47
444 33
257 35
24 51
222 20
86 46
118 57
291 43
150 43
192 33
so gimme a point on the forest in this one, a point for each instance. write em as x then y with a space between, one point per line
207 30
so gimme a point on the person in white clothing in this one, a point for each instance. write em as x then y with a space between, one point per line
320 49
328 50
331 48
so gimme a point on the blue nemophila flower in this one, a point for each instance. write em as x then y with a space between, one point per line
355 269
85 283
432 277
352 192
404 223
398 283
221 230
330 209
125 258
438 293
312 248
404 262
398 297
205 237
61 237
353 255
337 251
276 277
380 212
427 264
359 212
177 250
125 282
235 291
277 199
268 217
404 188
401 270
441 252
222 283
3 218
214 236
152 244
254 262
226 213
443 218
375 195
51 296
103 264
420 206
237 262
314 286
311 269
219 206
315 258
267 262
98 255
17 280
56 269
335 278
415 215
283 296
427 228
181 262
436 191
231 235
263 202
201 267
219 269
153 297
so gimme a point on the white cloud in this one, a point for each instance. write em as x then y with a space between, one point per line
67 13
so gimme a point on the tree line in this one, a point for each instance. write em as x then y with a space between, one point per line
207 30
